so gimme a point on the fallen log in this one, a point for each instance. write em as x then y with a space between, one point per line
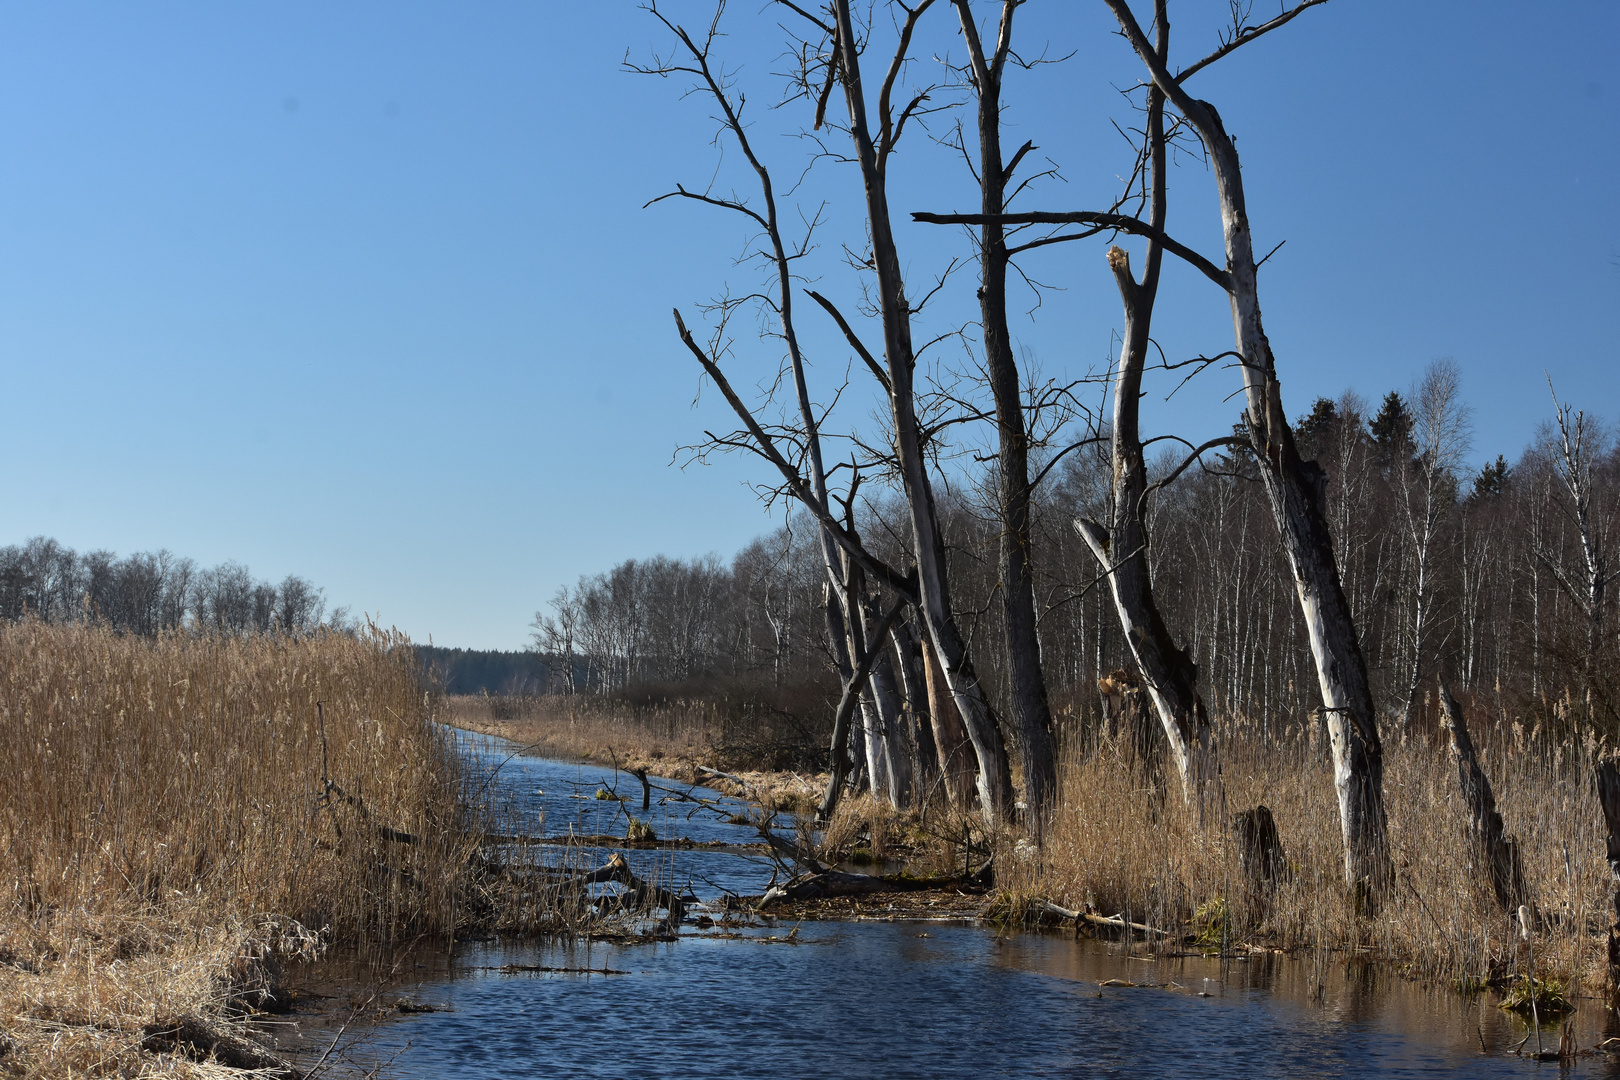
829 883
1117 922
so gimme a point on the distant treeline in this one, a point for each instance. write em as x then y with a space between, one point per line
1496 578
491 671
151 591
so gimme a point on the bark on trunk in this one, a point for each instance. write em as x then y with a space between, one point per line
1608 791
840 767
950 737
917 714
1031 711
994 779
1498 855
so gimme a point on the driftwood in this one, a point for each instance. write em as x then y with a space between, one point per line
827 883
1116 922
640 893
1497 852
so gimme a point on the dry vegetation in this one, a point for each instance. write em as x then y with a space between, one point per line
1123 845
177 818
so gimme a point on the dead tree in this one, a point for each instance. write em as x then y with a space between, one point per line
840 549
1498 854
1031 711
1121 548
1293 486
839 768
840 53
1586 588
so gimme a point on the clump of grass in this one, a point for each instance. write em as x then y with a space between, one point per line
1212 923
639 831
1544 997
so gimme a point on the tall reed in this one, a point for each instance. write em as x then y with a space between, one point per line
177 814
1124 842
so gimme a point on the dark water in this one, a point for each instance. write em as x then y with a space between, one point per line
874 999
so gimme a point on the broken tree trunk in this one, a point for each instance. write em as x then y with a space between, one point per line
1608 791
1168 674
1498 854
1294 489
1260 855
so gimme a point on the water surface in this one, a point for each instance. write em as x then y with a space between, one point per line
880 999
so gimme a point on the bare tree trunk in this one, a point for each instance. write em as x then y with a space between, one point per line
994 778
840 766
1608 791
918 714
1031 711
1497 854
891 743
950 737
1168 673
1294 489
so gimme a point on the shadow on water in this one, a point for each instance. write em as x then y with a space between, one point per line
872 999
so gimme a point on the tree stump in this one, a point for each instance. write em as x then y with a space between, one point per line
1260 855
1498 853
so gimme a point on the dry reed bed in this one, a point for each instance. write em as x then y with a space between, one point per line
1122 848
177 816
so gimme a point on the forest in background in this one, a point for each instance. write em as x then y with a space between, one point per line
1473 575
153 591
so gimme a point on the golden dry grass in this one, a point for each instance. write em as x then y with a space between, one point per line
177 814
1123 849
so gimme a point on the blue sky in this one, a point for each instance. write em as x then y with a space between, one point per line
366 292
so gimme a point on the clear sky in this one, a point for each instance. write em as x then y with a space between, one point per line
366 292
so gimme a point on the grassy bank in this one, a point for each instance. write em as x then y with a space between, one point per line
1122 844
181 816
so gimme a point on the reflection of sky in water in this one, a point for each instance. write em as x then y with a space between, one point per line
881 1000
871 999
555 798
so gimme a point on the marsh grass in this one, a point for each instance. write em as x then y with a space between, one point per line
1125 845
180 816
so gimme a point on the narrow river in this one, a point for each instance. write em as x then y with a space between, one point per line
882 999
